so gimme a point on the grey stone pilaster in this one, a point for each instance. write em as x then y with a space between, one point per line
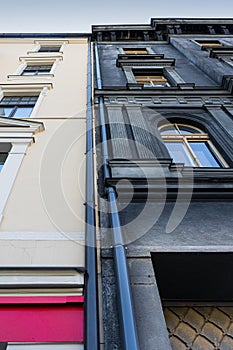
119 138
229 109
121 50
151 326
150 51
144 139
223 120
173 76
129 75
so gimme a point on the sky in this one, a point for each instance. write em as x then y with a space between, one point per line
68 16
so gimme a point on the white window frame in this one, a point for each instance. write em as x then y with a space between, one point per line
29 89
25 61
39 43
20 139
60 279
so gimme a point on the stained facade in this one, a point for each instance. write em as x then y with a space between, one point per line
163 96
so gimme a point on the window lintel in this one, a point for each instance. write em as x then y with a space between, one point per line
22 89
38 59
142 62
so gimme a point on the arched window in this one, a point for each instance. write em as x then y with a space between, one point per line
191 146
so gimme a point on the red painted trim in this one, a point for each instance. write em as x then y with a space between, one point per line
42 323
41 300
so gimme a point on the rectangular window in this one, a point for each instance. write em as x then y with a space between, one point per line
209 43
196 291
204 154
135 51
155 80
37 70
17 106
46 48
179 153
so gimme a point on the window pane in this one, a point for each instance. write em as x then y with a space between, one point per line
204 155
50 49
5 100
28 73
33 99
14 100
171 129
24 100
3 157
5 111
179 153
188 130
209 42
36 70
135 51
41 72
10 100
23 112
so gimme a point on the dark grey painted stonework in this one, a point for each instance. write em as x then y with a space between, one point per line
202 225
134 131
148 309
114 76
110 311
133 115
214 68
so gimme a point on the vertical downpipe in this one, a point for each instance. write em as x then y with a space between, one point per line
129 338
91 291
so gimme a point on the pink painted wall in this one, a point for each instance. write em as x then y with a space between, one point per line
41 319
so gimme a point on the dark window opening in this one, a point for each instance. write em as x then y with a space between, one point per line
3 157
49 48
194 276
37 70
4 151
196 290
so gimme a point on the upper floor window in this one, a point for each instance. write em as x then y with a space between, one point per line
135 51
37 69
17 106
47 48
223 53
152 80
3 157
208 44
190 146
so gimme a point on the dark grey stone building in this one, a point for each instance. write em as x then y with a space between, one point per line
164 131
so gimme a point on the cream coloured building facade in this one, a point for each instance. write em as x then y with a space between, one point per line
43 104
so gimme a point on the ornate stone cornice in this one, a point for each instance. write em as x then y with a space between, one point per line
160 29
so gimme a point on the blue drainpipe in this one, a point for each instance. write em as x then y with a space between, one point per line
91 340
129 338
